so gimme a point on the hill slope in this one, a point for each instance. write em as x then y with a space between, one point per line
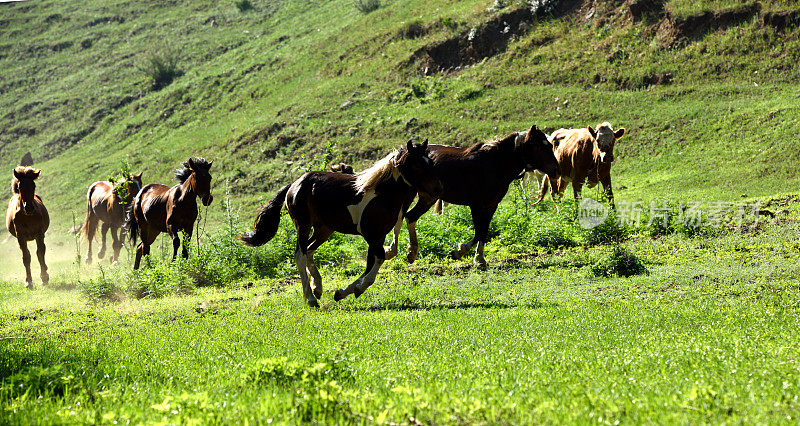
290 85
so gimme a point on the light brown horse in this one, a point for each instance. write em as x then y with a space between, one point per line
27 219
159 208
105 204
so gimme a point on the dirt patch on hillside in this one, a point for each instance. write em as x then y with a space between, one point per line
484 41
781 19
675 30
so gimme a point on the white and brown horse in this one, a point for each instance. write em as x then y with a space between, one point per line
478 177
108 203
584 155
27 219
366 204
159 208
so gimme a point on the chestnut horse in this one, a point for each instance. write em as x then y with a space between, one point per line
159 208
104 203
366 204
27 219
478 177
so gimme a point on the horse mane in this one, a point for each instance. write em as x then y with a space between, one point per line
380 171
183 173
28 172
508 140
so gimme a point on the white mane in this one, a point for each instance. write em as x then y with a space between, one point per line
381 170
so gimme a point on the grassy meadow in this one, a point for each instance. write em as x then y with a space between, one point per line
691 322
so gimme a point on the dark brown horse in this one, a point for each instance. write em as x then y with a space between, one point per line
366 204
108 202
478 177
343 168
159 208
27 219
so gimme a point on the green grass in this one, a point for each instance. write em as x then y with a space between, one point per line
705 336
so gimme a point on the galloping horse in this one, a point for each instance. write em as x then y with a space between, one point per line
366 204
27 219
159 208
104 203
478 177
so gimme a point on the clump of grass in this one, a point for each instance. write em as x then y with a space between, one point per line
100 288
611 230
469 93
619 262
160 66
243 5
366 6
413 29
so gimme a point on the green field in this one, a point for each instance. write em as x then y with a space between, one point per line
551 332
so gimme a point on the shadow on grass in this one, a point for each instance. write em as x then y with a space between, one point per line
412 305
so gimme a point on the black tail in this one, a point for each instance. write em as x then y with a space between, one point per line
131 226
267 221
89 225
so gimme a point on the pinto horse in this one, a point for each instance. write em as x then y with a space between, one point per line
159 208
104 203
366 204
478 177
27 219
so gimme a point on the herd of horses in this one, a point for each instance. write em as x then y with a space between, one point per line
370 203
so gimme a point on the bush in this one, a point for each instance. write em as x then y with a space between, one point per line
100 288
366 6
243 5
160 66
610 231
413 29
620 262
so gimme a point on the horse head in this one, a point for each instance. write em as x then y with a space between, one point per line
24 185
537 152
202 179
342 168
605 137
417 168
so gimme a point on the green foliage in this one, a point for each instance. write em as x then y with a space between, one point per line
411 30
160 66
243 5
366 6
619 262
123 173
100 288
611 230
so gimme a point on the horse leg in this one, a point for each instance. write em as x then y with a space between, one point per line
116 245
543 184
423 205
375 252
26 260
354 287
481 220
301 259
91 227
391 251
103 231
40 250
187 240
321 234
143 249
606 181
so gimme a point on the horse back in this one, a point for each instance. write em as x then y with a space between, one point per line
151 204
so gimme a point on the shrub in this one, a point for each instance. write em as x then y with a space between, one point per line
160 66
366 6
100 288
620 262
243 5
413 29
610 231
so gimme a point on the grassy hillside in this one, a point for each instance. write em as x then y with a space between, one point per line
263 92
626 322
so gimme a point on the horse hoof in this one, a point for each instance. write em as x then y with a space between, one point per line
480 264
358 292
389 253
88 260
313 303
412 254
337 295
318 292
29 285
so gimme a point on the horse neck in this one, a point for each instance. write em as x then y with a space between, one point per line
14 185
188 192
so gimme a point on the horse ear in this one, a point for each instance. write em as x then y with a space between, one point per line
425 144
592 132
409 145
210 163
619 133
36 173
190 163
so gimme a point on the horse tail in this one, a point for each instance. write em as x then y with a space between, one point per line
267 221
439 206
131 225
89 225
